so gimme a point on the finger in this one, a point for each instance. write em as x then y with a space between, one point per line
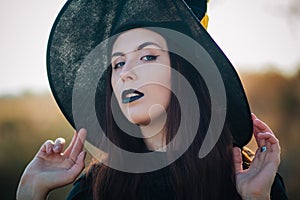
70 147
43 148
255 161
49 146
59 145
271 141
78 146
258 161
255 131
253 116
260 126
237 159
78 166
268 137
259 141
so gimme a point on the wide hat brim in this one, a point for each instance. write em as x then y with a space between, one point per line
82 26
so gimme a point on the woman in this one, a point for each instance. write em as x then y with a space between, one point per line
143 87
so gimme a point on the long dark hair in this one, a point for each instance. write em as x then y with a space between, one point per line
189 177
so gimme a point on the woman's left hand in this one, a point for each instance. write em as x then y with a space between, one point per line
256 182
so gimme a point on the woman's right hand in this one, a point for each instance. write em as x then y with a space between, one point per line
52 168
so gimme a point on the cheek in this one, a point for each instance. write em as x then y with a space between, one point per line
115 88
114 81
160 95
166 96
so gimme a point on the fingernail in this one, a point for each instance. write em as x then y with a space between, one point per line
263 149
56 148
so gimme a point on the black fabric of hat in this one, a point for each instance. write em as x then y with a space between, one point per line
84 24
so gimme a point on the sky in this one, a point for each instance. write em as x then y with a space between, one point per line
253 34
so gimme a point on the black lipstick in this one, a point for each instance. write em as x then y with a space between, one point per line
131 95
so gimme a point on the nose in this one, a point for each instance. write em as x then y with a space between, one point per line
128 73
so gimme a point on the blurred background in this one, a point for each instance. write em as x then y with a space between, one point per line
261 38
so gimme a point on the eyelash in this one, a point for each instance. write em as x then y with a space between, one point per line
116 66
144 58
152 57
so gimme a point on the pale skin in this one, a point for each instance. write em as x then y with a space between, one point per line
140 61
54 167
256 182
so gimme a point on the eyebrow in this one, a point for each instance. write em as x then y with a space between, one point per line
141 46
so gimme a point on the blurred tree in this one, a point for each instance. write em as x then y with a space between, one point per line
276 99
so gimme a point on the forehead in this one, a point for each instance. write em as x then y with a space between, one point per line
131 39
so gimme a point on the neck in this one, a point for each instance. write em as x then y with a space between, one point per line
155 133
156 142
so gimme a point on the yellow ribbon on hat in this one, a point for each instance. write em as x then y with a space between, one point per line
204 21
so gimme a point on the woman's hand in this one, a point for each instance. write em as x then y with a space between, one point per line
256 182
52 168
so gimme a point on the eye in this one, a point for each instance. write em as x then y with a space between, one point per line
118 65
149 58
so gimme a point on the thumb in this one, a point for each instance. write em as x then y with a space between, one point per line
237 159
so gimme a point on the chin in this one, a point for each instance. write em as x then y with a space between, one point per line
137 118
139 121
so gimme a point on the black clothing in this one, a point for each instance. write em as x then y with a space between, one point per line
278 191
155 187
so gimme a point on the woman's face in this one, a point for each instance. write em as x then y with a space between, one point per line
141 75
